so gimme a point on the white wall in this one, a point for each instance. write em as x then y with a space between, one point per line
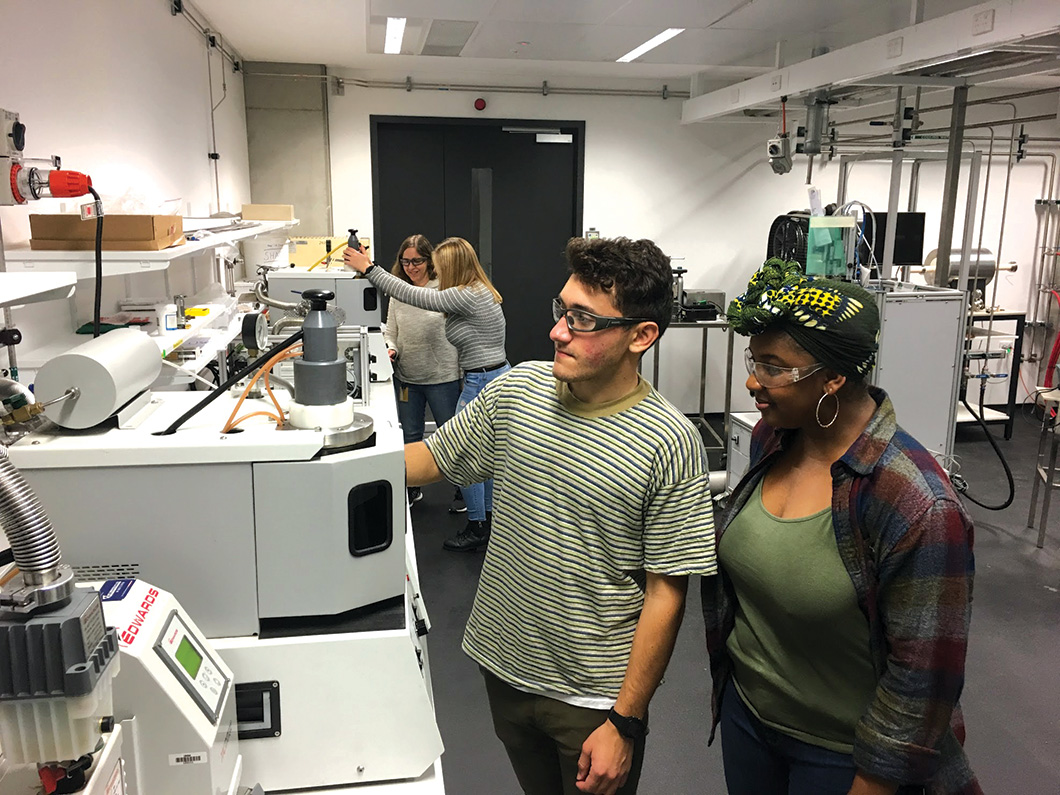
119 89
703 192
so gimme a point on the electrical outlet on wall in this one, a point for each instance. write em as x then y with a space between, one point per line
777 82
983 22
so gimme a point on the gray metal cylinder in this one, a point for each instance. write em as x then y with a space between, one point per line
28 528
816 122
320 375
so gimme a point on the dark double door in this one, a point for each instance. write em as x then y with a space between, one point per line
516 200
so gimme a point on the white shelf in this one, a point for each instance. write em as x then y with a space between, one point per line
17 289
121 263
989 415
167 342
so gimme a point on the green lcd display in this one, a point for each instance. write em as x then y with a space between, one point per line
189 659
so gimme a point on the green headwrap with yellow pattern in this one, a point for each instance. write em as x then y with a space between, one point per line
838 323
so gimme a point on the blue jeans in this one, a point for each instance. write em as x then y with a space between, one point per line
478 496
440 397
759 760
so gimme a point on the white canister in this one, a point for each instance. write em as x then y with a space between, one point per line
109 371
272 251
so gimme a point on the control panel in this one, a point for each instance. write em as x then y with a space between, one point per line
186 656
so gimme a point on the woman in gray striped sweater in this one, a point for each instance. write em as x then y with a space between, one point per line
474 324
426 371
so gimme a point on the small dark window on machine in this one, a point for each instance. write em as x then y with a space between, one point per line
370 515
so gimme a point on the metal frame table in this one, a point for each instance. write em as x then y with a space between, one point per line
701 419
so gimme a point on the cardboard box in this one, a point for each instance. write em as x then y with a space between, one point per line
268 212
120 232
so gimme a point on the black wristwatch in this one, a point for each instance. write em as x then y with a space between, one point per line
630 728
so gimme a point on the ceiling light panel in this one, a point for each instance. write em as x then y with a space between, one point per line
693 48
395 32
650 44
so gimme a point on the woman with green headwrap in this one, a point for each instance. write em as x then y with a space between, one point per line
838 625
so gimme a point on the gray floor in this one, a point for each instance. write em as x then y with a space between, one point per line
1012 691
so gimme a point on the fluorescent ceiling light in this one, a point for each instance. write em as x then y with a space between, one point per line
650 44
395 32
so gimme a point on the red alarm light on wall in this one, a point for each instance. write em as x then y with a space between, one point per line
480 104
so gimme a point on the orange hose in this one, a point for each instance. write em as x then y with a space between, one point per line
267 370
288 353
277 420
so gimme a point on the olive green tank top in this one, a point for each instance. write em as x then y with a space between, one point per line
800 645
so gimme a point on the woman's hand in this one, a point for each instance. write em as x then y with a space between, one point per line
355 260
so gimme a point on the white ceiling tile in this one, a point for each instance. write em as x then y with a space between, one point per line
677 13
577 38
547 41
578 12
433 9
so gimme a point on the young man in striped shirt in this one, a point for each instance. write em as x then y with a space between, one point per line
602 511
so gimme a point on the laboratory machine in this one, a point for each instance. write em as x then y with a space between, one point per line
107 691
274 509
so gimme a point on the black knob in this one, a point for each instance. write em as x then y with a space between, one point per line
18 135
317 298
353 241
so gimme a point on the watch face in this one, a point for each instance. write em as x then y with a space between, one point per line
630 728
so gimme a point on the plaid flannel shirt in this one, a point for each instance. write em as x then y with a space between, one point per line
906 542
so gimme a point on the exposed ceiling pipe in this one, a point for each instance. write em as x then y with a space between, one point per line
1038 92
408 84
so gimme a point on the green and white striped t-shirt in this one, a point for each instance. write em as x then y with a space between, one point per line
586 499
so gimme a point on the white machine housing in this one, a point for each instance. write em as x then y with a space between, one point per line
919 363
174 696
243 527
175 730
292 558
354 294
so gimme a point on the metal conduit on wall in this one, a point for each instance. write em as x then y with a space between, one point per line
544 89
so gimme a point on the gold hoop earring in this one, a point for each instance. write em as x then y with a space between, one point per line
817 413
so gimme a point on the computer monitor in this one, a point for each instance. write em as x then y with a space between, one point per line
908 239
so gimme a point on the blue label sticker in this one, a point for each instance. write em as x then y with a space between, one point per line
115 590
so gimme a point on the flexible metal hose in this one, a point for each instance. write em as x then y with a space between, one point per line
27 526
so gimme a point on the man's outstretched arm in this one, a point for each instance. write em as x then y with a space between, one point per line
420 466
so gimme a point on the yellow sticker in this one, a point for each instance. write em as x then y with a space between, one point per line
197 311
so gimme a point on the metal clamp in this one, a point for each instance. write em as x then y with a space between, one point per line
25 599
